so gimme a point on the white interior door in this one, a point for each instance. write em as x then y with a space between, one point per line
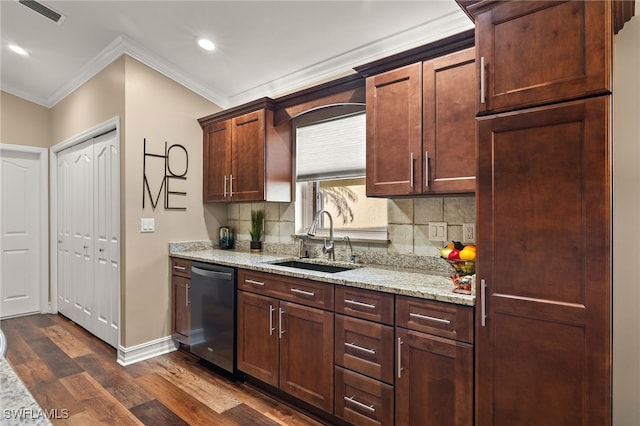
107 237
88 222
20 196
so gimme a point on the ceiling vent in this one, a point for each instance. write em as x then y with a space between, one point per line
43 10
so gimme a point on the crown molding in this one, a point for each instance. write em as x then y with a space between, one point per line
123 45
24 95
427 32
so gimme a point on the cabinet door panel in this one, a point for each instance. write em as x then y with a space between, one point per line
544 189
247 165
217 157
540 52
258 337
306 354
394 132
181 309
435 386
449 128
363 401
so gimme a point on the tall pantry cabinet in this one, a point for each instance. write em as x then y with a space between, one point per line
543 317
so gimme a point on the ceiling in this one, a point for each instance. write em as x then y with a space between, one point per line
263 48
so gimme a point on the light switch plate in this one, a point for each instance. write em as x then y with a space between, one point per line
147 225
437 231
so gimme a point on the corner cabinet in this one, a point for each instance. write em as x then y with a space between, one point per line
245 157
181 290
421 128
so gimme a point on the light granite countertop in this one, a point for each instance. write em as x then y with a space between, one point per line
401 281
18 407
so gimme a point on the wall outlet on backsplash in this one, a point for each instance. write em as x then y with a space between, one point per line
468 233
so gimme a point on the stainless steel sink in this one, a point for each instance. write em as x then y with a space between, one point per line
320 267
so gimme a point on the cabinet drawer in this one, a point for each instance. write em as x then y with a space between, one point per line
442 319
365 347
365 304
361 400
305 292
181 267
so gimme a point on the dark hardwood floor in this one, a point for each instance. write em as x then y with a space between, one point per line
65 367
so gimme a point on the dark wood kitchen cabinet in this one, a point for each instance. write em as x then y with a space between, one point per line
543 336
246 158
181 287
364 356
287 343
534 53
434 363
421 128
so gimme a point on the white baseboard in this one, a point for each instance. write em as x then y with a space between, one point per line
153 348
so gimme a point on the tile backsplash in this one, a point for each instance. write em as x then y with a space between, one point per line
408 225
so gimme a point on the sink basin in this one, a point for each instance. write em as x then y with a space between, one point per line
313 266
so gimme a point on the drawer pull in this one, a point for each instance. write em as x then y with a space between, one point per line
254 282
179 268
354 401
303 292
361 304
360 348
426 317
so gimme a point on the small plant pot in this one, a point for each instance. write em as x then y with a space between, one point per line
256 246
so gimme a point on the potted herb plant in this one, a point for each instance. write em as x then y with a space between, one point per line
257 226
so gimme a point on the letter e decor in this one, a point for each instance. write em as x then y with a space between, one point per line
169 176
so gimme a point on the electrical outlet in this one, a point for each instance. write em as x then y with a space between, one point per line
468 232
437 231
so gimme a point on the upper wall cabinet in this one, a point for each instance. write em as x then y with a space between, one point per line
567 47
246 158
421 128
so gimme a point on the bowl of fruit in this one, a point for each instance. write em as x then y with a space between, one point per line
461 256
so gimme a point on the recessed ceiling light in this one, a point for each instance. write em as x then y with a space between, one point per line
19 50
206 44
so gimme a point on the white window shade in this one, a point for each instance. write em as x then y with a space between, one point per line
331 149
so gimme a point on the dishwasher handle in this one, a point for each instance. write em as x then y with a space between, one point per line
211 274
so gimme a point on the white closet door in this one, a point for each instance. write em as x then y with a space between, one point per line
107 238
66 295
77 214
20 192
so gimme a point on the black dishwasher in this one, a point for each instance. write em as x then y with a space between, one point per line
213 314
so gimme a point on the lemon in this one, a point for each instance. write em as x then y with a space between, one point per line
468 254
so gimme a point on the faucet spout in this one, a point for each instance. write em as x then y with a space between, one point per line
328 247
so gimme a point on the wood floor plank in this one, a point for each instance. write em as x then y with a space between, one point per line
244 415
66 341
198 384
129 394
181 403
108 374
20 352
58 361
54 396
154 413
34 373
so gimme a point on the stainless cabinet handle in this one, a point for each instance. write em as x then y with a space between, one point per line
399 357
361 304
231 185
254 282
482 81
304 293
354 401
483 303
427 317
225 186
360 348
411 161
280 330
179 268
271 327
426 169
186 296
